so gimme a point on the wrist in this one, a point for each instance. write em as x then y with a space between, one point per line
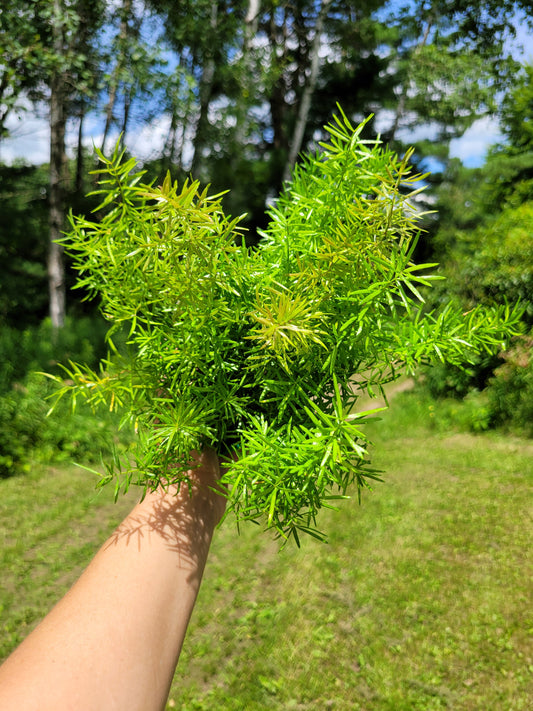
200 496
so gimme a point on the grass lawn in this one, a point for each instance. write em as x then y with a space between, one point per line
421 600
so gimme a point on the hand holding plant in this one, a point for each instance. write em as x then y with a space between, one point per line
264 352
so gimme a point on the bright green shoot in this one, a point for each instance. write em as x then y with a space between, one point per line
263 353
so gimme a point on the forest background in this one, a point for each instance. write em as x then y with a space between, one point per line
231 92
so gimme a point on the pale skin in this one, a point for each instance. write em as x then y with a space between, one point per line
113 641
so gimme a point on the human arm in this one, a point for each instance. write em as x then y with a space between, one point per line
113 641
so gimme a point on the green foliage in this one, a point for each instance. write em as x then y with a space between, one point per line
21 417
445 380
24 232
496 392
20 52
500 267
23 244
447 414
494 264
40 348
28 435
485 236
265 352
517 110
510 392
449 88
491 263
506 179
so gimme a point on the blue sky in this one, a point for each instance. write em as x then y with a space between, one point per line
472 146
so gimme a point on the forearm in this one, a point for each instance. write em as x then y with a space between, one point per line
114 640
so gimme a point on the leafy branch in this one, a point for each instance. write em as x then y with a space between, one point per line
263 353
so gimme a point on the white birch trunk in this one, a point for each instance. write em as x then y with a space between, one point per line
307 95
56 269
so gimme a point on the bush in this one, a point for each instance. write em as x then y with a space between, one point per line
506 399
38 348
16 437
256 350
510 392
28 434
493 264
446 380
25 430
417 409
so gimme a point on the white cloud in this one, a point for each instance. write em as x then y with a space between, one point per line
147 142
473 145
28 140
30 136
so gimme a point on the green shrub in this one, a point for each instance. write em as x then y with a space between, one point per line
38 348
257 349
446 380
493 264
416 408
15 439
27 434
510 392
495 392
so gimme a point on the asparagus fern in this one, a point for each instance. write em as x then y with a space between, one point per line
264 352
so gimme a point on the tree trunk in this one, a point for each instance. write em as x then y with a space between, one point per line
126 115
246 79
205 91
56 269
80 170
250 30
109 109
170 144
184 126
114 82
250 22
400 108
277 97
307 95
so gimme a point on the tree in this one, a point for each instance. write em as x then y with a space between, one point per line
20 58
484 237
470 198
132 69
508 171
243 99
450 63
308 90
437 65
206 59
49 62
58 120
59 33
23 245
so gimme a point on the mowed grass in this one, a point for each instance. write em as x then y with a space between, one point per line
421 600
